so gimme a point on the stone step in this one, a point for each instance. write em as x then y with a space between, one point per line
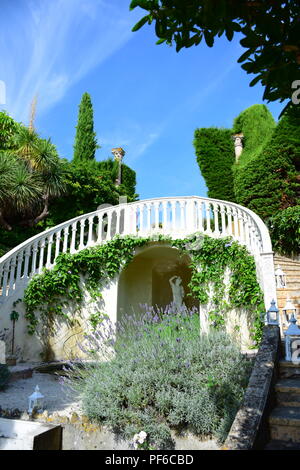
288 369
284 424
282 445
288 392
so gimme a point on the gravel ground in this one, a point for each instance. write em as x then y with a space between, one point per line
57 396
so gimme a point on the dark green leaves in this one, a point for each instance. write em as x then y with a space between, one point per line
140 23
271 34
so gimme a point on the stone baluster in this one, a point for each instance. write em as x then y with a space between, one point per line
207 217
127 219
66 239
200 226
5 279
20 257
173 203
109 218
73 237
216 219
190 222
141 219
12 268
182 215
165 222
223 219
57 243
148 217
229 221
49 250
241 226
81 236
34 256
90 234
42 249
119 214
100 234
247 231
26 262
156 215
236 224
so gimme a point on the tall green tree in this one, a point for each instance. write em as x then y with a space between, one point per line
215 157
85 139
270 30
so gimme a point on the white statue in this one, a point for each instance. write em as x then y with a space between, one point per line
177 290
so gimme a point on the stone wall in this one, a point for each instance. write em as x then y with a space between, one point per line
248 430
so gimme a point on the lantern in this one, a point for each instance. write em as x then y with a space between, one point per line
289 308
292 341
35 400
273 314
280 278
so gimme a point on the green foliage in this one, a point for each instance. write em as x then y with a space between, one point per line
215 157
269 181
30 175
87 187
85 140
8 127
45 292
257 125
157 382
285 231
4 375
270 33
128 177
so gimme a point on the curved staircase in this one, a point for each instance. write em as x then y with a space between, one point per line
176 217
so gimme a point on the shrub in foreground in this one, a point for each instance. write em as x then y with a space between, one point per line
162 376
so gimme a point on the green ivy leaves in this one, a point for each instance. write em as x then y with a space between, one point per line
51 290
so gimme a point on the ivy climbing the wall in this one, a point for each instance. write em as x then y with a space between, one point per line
48 293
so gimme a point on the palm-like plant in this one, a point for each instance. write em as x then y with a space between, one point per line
31 174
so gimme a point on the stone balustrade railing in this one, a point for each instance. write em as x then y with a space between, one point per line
175 216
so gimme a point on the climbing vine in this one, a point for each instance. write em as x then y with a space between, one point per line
50 291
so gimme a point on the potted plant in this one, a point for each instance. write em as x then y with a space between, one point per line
11 360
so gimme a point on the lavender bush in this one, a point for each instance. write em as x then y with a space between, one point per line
162 375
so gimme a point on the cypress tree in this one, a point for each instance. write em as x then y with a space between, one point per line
85 140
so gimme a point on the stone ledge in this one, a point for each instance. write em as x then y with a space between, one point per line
245 430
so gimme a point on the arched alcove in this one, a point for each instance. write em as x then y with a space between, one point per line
146 279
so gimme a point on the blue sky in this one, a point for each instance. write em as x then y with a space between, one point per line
147 98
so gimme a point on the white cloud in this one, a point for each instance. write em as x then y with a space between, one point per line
54 44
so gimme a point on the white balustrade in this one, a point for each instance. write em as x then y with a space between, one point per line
175 216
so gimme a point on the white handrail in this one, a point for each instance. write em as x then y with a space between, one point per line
173 216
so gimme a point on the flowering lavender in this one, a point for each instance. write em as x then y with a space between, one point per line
157 374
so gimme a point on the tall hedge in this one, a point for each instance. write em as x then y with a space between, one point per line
215 157
270 181
257 124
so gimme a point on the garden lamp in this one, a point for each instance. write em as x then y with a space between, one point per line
273 314
280 278
292 340
35 400
288 308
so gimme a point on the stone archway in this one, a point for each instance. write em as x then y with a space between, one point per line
146 279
